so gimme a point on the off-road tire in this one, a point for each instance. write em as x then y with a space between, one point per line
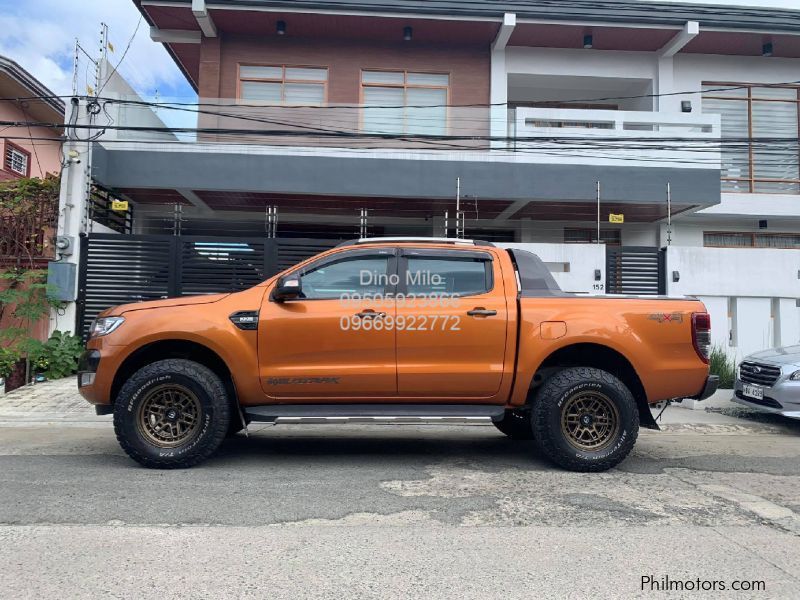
557 393
516 425
213 415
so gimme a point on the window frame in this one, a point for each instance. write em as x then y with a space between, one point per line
391 268
752 235
9 145
592 231
282 81
751 180
456 255
404 86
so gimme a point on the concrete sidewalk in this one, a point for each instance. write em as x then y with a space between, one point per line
58 402
51 401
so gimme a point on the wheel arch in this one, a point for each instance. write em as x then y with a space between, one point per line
600 356
175 348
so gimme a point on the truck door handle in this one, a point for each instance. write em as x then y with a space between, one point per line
370 314
481 312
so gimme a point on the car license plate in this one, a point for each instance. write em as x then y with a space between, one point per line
753 391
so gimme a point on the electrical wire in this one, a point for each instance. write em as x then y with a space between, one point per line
240 104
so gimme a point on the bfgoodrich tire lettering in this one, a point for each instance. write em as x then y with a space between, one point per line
181 383
604 399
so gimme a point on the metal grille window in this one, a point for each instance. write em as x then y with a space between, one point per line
588 235
283 84
402 102
749 112
736 239
17 160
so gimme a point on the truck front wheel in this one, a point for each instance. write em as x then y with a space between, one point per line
171 414
585 419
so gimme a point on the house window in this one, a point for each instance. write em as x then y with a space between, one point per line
403 102
588 235
283 84
17 160
752 111
736 239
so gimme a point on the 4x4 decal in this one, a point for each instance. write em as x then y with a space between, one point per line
667 317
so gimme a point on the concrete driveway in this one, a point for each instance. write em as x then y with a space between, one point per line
398 511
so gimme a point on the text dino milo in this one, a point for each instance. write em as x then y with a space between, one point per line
374 319
665 583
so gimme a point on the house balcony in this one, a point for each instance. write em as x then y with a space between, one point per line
616 138
229 154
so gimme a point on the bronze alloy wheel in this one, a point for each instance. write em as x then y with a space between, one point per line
590 421
169 415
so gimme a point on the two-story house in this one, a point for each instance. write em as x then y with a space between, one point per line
639 147
33 151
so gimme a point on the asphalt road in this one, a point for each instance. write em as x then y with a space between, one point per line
387 512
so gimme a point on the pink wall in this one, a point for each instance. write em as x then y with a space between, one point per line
48 152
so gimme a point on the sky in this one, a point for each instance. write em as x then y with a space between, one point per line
40 36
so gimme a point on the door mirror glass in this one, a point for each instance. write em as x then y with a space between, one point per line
287 288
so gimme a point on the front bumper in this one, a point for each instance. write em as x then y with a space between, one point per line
712 383
782 398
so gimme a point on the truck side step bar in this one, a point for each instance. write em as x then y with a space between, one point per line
411 413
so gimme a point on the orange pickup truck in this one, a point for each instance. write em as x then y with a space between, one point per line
398 329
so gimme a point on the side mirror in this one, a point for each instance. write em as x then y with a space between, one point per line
287 288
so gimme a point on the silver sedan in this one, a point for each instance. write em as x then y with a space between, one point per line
769 381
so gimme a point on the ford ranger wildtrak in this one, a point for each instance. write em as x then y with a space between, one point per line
398 329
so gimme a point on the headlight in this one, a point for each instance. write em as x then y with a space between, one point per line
795 376
105 325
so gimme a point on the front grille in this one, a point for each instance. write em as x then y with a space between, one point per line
763 402
760 374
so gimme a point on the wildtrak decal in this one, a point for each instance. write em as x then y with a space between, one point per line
301 380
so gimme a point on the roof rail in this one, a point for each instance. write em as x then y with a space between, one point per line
429 240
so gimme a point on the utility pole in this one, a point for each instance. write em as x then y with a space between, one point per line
75 58
460 225
98 69
597 187
363 224
669 214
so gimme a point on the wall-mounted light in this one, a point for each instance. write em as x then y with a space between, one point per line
766 49
686 106
588 40
408 33
676 276
280 27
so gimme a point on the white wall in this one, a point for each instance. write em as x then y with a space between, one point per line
572 265
750 293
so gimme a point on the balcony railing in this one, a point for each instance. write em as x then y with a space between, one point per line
616 137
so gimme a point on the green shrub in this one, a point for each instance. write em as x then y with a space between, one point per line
722 365
8 360
58 356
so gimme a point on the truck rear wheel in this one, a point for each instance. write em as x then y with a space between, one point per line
171 414
516 425
585 419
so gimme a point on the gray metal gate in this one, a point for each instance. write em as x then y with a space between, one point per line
118 269
635 270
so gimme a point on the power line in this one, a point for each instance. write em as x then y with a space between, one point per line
397 106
